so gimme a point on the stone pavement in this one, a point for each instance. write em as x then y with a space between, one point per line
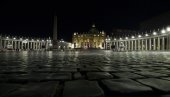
85 74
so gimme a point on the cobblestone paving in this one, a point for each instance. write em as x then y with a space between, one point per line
84 74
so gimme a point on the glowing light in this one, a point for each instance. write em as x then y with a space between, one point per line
14 38
139 36
168 28
115 39
146 35
120 38
133 37
126 38
42 40
163 31
154 33
7 37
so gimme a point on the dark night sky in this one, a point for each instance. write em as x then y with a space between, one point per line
33 18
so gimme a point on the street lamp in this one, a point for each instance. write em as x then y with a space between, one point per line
139 36
168 28
154 33
146 35
133 37
163 31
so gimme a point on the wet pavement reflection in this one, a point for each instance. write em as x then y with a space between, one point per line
110 73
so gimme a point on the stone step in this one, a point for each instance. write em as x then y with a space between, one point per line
125 88
82 88
45 89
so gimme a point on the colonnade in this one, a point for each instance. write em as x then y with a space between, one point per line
13 43
140 43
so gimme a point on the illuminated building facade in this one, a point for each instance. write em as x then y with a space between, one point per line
20 43
155 41
92 39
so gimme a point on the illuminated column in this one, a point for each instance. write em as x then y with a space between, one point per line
12 44
142 44
125 45
19 44
128 45
163 43
15 45
37 45
40 45
117 45
28 45
150 44
46 45
138 44
158 45
132 46
135 45
146 44
5 43
154 44
33 45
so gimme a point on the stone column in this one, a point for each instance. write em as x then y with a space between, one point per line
163 43
15 46
132 46
128 45
12 44
139 45
28 45
33 45
154 44
125 45
150 44
22 45
117 47
5 42
40 45
142 44
146 44
158 45
135 46
19 42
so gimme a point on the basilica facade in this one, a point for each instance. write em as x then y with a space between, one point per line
91 39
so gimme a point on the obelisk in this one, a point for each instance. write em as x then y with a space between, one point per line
55 33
